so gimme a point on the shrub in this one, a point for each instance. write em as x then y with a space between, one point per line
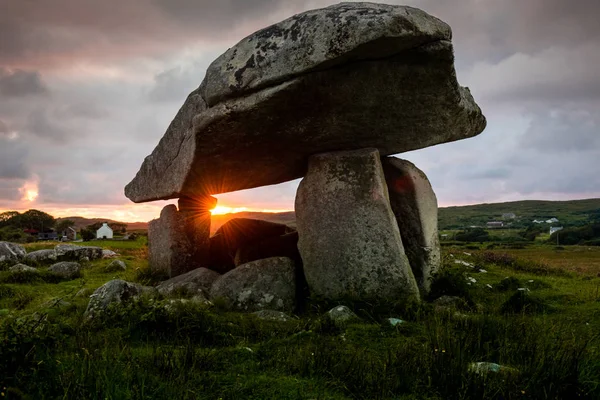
450 282
523 302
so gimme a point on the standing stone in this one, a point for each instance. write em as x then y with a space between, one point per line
349 239
415 206
178 241
196 216
168 246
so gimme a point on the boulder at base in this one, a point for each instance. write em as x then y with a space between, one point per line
11 253
349 239
237 233
267 284
41 256
194 282
70 252
66 269
22 268
415 206
349 76
276 246
114 292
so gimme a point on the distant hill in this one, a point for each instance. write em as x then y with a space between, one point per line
569 213
81 222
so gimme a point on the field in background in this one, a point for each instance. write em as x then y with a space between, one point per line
545 334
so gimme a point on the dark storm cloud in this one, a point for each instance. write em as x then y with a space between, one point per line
20 83
56 32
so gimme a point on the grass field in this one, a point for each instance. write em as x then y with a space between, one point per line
546 335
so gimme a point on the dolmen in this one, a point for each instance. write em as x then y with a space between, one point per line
328 95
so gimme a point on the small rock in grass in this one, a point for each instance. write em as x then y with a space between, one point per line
108 254
395 321
482 368
66 269
116 266
341 315
22 268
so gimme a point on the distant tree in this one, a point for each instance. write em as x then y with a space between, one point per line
88 234
532 231
6 216
64 224
118 227
33 219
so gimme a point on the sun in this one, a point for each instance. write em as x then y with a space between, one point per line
30 195
220 210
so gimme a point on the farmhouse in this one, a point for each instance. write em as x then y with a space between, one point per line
495 224
509 216
105 232
555 229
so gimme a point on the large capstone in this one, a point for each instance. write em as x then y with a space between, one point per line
348 235
349 76
267 284
415 206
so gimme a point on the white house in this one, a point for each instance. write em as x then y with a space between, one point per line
551 220
555 229
105 232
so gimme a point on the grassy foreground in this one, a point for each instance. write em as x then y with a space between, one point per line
547 337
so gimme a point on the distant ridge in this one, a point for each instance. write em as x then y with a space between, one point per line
82 222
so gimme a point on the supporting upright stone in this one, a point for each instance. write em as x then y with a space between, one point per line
415 206
178 241
348 236
196 215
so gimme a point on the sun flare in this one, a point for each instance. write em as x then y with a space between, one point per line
220 210
29 191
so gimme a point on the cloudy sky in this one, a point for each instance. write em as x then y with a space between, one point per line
88 87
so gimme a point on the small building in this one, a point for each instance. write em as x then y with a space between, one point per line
537 221
509 216
105 232
47 235
494 224
551 220
555 229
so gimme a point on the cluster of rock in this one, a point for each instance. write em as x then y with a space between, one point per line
64 260
327 95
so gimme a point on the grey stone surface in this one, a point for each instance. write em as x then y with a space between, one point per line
109 254
41 256
197 281
169 248
349 76
11 252
415 206
259 285
70 252
66 269
116 266
349 239
22 268
113 292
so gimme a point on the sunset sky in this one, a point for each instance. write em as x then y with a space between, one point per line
88 87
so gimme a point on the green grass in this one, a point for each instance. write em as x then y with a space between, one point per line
548 333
